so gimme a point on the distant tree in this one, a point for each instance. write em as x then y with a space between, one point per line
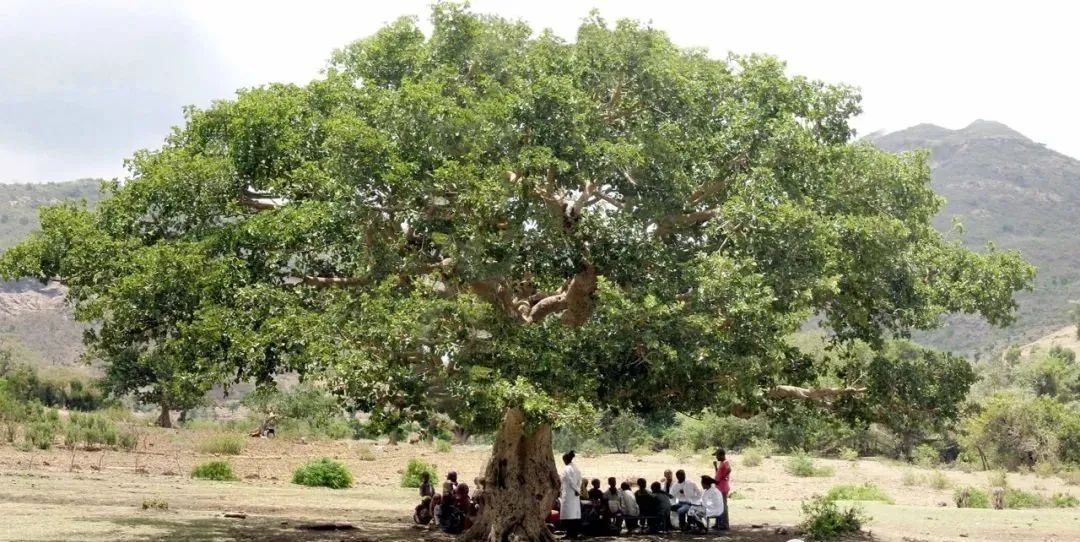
1074 317
613 222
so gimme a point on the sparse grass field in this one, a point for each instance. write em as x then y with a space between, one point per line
58 495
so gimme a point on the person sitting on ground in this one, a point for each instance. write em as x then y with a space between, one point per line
663 505
436 512
426 489
451 516
465 504
422 512
479 497
647 506
686 493
713 501
629 507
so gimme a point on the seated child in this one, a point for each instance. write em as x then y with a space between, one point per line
422 512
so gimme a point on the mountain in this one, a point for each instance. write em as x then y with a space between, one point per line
1006 189
35 325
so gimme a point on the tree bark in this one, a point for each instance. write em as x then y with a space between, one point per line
521 485
164 420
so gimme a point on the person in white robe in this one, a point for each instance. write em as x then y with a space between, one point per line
570 497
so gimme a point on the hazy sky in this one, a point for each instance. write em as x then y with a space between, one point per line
85 83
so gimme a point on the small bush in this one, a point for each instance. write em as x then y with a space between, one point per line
865 492
222 444
938 480
155 504
214 470
41 435
413 470
1045 469
824 520
926 455
977 498
128 441
912 478
849 454
443 446
323 472
365 453
1064 500
802 465
1018 498
751 457
1070 477
998 478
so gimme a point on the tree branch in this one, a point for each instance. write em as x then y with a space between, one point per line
326 282
670 223
814 394
261 201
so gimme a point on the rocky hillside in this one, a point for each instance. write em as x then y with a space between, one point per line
1006 189
34 323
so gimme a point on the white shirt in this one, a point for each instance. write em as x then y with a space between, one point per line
713 501
628 503
686 492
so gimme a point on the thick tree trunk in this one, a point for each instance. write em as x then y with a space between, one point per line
164 420
521 485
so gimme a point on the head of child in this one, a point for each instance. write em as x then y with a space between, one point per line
625 486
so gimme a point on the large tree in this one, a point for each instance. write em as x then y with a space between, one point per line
612 220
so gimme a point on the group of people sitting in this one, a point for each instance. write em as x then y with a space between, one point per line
653 508
583 508
454 509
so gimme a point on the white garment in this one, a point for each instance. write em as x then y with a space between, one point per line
614 501
686 492
713 501
628 504
570 500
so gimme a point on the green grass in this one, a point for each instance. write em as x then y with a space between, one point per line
938 480
219 471
323 472
1018 498
365 453
1064 500
443 446
865 492
222 444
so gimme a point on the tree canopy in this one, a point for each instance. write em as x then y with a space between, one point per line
485 214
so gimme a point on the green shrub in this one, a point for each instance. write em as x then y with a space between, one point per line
72 436
865 492
824 520
712 431
365 453
443 446
1018 498
323 472
751 457
1045 469
622 431
413 470
849 454
222 444
926 455
802 465
1064 500
41 435
129 440
938 480
591 448
977 498
214 470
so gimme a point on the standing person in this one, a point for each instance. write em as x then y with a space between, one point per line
687 493
426 489
723 473
570 509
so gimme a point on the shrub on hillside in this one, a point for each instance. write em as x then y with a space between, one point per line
622 431
1018 498
413 470
865 492
938 480
323 472
222 444
849 454
712 431
926 455
214 470
41 434
443 446
803 465
824 520
1064 500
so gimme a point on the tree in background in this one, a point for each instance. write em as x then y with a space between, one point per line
613 221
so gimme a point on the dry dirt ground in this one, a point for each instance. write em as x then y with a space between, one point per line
98 495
